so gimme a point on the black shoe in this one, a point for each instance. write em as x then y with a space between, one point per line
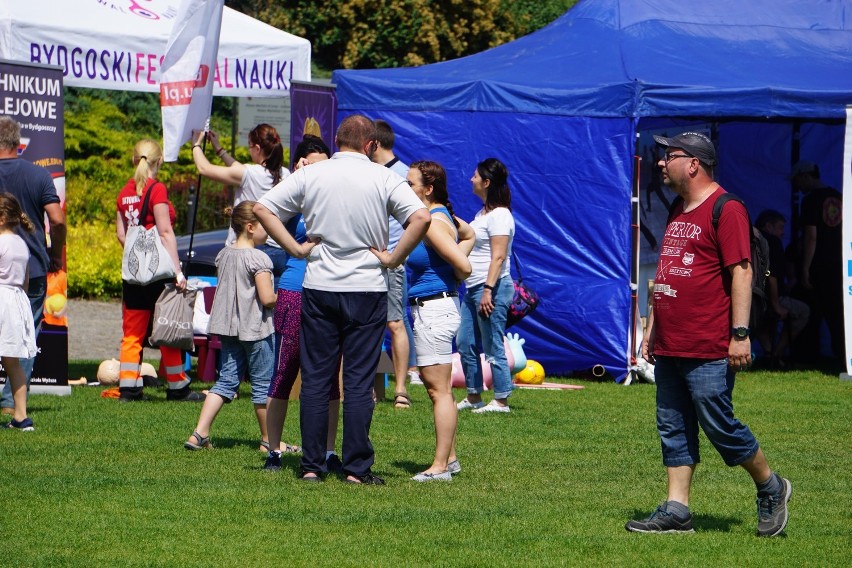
366 479
130 394
185 395
273 461
308 478
334 464
661 522
151 382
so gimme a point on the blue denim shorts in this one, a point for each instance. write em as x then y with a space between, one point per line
240 358
693 392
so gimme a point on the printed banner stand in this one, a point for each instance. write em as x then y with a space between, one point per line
847 243
313 110
31 93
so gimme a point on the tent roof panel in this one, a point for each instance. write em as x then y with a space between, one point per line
642 58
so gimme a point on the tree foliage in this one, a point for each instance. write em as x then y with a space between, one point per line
101 127
358 34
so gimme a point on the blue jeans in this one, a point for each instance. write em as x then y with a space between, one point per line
476 329
36 293
238 356
693 392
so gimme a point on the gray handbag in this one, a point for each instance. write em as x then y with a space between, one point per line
172 325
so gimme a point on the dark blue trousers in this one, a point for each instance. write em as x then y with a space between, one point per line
350 324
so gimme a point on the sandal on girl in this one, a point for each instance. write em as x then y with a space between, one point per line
401 400
203 442
284 449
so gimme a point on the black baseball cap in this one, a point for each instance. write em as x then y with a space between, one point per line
804 167
694 143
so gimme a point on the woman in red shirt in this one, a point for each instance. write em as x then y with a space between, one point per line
138 300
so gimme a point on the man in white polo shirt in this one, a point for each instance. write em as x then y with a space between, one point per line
345 201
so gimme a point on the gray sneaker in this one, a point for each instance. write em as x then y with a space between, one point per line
661 522
454 467
772 511
423 477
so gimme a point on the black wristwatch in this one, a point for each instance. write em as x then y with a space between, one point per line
739 332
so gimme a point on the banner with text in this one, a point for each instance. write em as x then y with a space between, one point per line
120 44
32 95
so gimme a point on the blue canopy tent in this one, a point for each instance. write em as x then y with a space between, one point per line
562 108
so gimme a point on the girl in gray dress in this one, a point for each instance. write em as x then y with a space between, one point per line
242 318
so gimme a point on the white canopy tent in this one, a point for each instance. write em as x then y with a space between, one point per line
119 44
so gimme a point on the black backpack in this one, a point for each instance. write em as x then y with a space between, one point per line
759 258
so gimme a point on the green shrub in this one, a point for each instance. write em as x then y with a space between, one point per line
94 261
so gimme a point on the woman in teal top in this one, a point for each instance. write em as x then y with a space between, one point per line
435 267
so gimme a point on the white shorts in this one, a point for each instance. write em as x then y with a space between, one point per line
435 325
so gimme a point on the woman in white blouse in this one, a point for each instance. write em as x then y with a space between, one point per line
489 290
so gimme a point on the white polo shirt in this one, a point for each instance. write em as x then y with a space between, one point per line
346 202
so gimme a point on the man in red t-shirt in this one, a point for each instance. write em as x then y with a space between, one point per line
698 337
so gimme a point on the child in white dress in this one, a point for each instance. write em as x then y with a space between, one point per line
17 334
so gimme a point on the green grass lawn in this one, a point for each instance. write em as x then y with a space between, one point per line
106 484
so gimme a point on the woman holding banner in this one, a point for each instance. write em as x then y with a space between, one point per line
252 180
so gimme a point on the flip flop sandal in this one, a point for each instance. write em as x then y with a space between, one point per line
203 442
401 400
288 449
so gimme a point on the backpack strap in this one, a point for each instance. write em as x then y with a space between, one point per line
144 211
720 203
717 208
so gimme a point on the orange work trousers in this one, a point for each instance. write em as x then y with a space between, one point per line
135 325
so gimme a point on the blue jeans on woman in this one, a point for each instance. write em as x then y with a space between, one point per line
475 329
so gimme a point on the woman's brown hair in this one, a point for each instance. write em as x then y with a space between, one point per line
266 137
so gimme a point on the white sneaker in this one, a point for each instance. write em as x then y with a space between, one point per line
423 477
414 378
454 467
465 404
492 407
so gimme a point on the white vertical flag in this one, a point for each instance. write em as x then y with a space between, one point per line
186 79
847 238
